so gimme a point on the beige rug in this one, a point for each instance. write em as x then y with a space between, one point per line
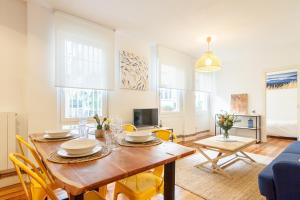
243 185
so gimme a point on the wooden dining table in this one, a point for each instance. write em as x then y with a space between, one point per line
122 162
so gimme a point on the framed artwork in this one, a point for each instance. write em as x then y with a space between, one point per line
133 71
239 103
281 80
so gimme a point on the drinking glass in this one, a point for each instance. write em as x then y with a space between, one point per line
82 128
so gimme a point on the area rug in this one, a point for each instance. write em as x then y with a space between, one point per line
242 186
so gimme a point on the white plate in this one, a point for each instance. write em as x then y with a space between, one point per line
57 133
46 136
139 136
63 153
79 146
129 139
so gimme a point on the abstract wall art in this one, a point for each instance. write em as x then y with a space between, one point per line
281 80
133 71
239 103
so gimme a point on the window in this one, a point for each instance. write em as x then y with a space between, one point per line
201 101
79 103
170 100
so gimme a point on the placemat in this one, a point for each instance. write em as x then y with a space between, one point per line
40 138
123 142
54 157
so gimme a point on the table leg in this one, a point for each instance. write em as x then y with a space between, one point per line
77 197
169 181
247 156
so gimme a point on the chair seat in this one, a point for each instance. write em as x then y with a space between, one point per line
142 182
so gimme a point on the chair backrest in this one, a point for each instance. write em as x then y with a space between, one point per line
22 163
129 127
22 142
165 135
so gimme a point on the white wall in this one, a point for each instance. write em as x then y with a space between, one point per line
13 58
41 97
245 73
12 64
27 33
281 105
121 101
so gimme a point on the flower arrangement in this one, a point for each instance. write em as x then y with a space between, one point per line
226 121
102 126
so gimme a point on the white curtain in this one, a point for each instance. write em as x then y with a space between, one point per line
203 81
84 54
175 69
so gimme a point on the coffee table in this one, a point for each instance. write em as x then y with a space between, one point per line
234 146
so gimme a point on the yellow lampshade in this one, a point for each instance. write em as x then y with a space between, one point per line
208 62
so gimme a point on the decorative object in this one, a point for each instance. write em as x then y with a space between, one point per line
281 80
134 71
250 123
101 126
239 103
239 124
208 62
225 121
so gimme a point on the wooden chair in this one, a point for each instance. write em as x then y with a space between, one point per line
23 164
129 127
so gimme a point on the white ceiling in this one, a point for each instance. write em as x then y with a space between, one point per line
236 25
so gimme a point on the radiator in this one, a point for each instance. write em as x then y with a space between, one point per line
7 139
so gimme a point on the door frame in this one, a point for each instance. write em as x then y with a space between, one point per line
278 69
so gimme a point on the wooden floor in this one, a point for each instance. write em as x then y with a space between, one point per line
272 148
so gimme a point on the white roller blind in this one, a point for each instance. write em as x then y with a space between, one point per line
84 54
203 81
175 69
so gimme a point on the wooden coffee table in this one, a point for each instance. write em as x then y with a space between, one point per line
234 146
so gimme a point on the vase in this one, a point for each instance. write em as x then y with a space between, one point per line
99 133
226 134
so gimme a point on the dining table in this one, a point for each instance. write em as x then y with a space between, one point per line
122 162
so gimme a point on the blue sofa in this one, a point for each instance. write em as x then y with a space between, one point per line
280 180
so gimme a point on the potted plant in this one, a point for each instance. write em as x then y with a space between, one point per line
226 121
102 126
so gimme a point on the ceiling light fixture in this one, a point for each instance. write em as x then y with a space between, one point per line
208 62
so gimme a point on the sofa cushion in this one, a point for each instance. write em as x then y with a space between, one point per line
265 178
293 148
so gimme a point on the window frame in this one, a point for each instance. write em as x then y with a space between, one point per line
180 102
199 111
65 120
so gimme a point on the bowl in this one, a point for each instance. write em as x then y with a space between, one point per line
138 136
79 146
57 133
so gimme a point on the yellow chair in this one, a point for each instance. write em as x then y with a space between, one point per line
22 142
129 127
141 186
147 184
36 190
165 135
23 164
92 195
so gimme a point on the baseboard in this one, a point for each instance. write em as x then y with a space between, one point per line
281 137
